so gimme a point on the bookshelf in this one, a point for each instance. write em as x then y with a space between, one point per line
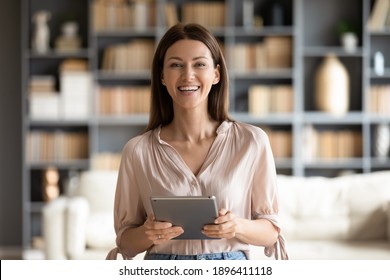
271 59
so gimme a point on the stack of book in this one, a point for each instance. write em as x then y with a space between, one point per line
123 100
44 101
67 44
123 14
380 99
41 83
331 144
134 56
264 99
380 16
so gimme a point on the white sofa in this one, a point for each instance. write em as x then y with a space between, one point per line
323 218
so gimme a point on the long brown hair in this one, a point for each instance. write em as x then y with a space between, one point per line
161 109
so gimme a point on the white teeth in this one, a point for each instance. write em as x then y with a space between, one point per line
189 88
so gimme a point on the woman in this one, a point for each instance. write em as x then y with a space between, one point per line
192 148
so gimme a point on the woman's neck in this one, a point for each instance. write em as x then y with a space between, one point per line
192 127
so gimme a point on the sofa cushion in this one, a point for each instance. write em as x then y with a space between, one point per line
368 199
98 187
351 207
100 232
313 208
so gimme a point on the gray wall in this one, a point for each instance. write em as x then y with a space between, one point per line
10 125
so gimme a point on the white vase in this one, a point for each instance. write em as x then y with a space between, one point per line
349 41
382 141
332 86
70 29
379 63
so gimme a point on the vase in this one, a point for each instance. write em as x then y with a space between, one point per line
70 29
332 86
349 42
379 63
382 141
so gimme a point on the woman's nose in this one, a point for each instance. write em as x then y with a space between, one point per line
187 73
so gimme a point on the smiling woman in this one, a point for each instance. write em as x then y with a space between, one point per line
192 148
190 76
162 105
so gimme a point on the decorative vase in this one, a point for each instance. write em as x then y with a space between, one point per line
349 41
332 86
379 63
382 141
41 37
70 29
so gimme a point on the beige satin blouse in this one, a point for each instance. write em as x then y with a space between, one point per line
239 171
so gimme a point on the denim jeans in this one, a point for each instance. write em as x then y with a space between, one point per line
213 256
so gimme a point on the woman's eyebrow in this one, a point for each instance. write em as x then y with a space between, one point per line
178 58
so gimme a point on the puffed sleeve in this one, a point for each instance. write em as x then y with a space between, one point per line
129 210
265 195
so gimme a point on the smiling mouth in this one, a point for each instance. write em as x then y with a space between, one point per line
188 88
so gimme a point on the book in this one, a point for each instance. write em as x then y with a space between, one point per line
44 105
65 44
41 83
210 14
171 17
76 88
379 14
123 100
259 100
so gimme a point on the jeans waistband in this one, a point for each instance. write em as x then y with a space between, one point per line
236 255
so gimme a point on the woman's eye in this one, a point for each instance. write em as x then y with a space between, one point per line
175 65
200 64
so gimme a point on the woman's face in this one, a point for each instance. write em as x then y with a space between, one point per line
189 74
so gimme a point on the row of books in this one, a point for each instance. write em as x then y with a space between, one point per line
58 146
275 52
122 14
136 55
123 100
264 99
105 161
210 14
380 16
331 144
280 141
379 99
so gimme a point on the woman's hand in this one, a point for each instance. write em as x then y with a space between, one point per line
226 226
159 232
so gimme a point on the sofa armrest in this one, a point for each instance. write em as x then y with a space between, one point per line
77 217
388 220
54 217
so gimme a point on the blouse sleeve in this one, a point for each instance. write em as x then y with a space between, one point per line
265 196
129 210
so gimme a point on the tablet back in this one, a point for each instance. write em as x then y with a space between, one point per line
189 212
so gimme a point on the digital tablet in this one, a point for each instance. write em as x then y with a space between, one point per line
189 212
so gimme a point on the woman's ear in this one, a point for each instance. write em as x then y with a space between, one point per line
162 79
217 75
